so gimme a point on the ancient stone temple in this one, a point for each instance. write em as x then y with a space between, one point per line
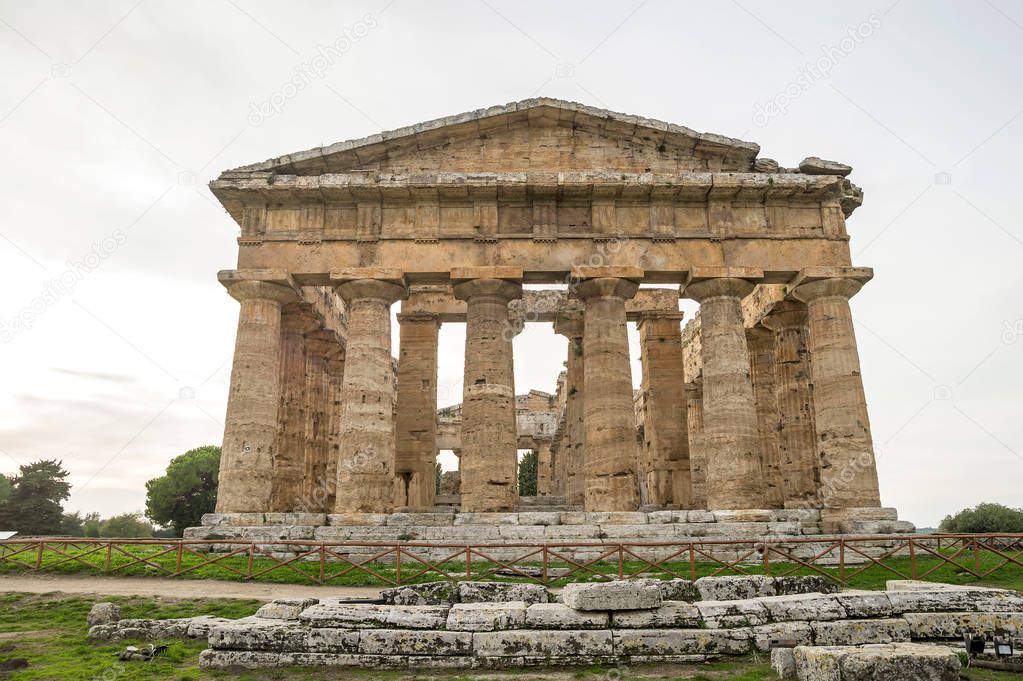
755 408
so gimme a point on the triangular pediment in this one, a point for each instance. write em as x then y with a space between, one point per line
532 135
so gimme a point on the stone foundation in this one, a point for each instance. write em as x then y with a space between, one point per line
429 532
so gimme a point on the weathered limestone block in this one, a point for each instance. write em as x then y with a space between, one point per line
766 635
664 517
732 614
674 589
486 616
542 644
285 608
565 532
560 616
251 659
749 515
859 632
369 616
420 519
431 593
156 630
282 637
670 614
357 519
812 165
886 662
865 603
700 516
616 518
615 595
522 532
103 613
955 624
734 588
539 518
414 642
469 518
500 592
802 608
681 641
803 584
932 601
783 662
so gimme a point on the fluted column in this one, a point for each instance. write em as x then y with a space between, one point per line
697 452
544 468
365 468
797 450
844 443
416 420
335 383
573 448
290 458
489 462
734 475
760 341
666 440
320 344
253 401
608 413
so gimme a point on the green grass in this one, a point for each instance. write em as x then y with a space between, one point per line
308 571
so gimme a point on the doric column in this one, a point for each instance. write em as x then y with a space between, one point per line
489 461
734 474
290 459
666 440
416 420
365 468
760 341
573 448
320 345
608 413
544 468
250 427
335 382
697 452
844 444
797 450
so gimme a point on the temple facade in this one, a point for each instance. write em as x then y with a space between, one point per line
756 403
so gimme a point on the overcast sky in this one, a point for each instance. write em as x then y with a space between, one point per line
115 115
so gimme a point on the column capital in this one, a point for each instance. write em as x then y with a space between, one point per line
381 290
420 316
655 315
487 288
709 282
823 282
605 287
251 289
788 314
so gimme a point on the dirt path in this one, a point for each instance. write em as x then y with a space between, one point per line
174 588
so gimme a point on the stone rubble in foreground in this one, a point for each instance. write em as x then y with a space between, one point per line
813 631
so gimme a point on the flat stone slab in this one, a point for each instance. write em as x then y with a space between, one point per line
542 643
954 625
659 642
802 607
860 632
865 603
368 616
616 595
414 642
560 616
766 636
285 608
486 616
886 662
732 614
670 615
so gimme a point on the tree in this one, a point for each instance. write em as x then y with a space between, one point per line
91 525
34 502
527 475
125 525
987 517
72 525
186 491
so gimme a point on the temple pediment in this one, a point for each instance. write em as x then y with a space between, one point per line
531 135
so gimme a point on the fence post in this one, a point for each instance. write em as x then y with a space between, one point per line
397 564
177 562
323 562
976 555
106 562
468 562
621 562
39 555
252 551
912 559
841 560
767 560
692 563
546 563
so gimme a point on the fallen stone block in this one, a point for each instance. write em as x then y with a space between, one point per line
932 601
486 616
542 643
819 166
369 616
749 515
955 624
732 614
282 637
670 614
616 518
414 642
734 588
659 642
540 518
560 616
859 632
805 584
285 608
615 595
103 613
783 662
802 607
431 593
865 603
765 636
673 589
500 592
886 662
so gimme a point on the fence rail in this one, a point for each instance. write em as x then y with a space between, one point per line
843 558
